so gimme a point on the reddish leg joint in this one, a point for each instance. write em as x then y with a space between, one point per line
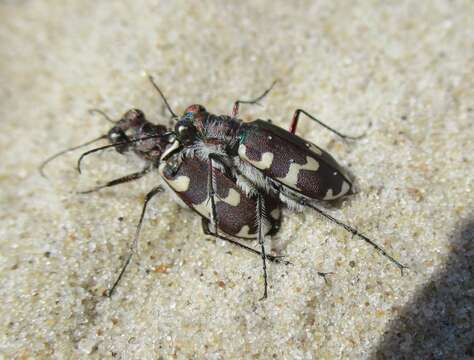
294 122
235 109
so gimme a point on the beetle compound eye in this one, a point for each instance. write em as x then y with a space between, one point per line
184 132
117 135
182 127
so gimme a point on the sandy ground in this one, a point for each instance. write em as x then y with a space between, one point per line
402 71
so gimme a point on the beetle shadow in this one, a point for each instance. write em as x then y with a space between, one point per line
439 322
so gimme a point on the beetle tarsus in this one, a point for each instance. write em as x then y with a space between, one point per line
120 180
256 101
355 232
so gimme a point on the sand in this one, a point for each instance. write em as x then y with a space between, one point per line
400 71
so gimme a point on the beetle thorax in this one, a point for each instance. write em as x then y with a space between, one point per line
221 128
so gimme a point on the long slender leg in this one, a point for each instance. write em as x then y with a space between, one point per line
261 242
294 124
133 245
211 192
121 180
214 220
355 232
211 186
235 110
207 231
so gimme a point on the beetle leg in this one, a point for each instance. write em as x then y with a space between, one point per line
133 245
207 231
211 192
261 242
235 110
121 180
211 186
294 124
355 232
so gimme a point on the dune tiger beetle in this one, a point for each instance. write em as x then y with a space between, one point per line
266 159
229 211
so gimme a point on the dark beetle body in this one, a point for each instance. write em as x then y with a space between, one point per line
235 210
266 159
267 155
292 161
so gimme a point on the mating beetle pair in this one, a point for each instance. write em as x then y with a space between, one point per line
235 175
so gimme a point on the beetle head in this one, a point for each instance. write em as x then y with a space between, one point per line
188 127
131 121
194 112
134 125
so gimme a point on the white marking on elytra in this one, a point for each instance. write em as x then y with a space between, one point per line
233 198
203 208
344 189
264 163
173 147
245 232
179 184
314 148
275 214
291 178
174 194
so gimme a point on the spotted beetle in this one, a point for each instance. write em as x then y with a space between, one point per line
228 212
266 159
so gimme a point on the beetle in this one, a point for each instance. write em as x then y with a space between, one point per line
265 158
228 212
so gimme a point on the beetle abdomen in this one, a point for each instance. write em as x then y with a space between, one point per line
236 212
292 161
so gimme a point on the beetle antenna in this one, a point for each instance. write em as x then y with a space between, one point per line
79 161
100 112
52 157
162 96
